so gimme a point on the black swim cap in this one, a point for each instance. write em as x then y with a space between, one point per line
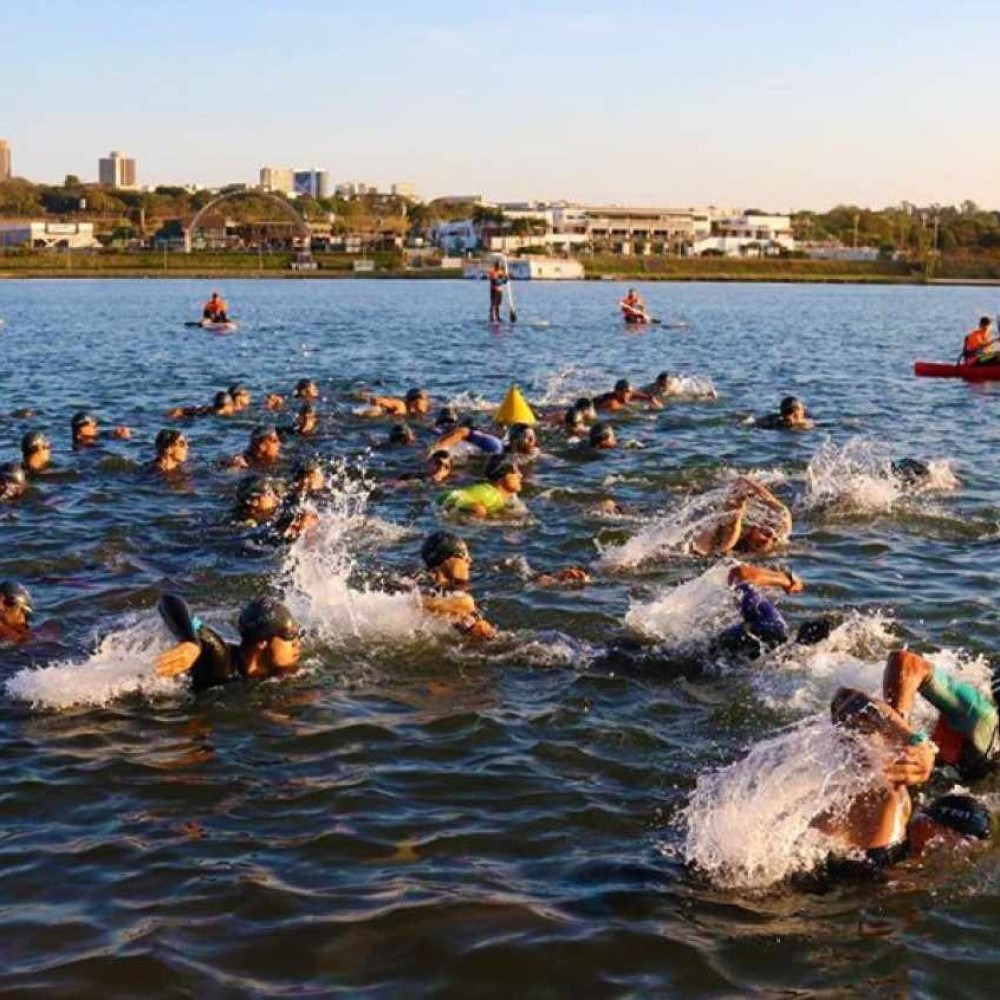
236 388
911 471
440 456
963 813
663 378
601 434
790 403
623 385
17 595
166 438
304 384
254 487
813 631
82 417
222 398
401 434
414 394
446 415
584 403
267 618
440 546
34 441
499 466
574 417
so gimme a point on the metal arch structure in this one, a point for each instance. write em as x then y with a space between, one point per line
300 223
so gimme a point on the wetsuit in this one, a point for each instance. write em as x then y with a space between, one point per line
966 732
219 662
762 628
488 443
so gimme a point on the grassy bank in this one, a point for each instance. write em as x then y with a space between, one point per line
209 265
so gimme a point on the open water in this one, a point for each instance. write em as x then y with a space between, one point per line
414 815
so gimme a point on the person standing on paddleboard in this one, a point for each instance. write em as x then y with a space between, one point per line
498 280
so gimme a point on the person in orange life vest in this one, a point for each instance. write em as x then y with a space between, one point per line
497 279
216 309
979 347
633 308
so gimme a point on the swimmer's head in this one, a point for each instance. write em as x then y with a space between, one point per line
240 394
521 439
911 472
401 434
602 436
222 402
758 538
417 401
308 476
170 439
36 450
265 443
440 546
13 481
586 407
792 406
447 417
984 322
306 388
574 420
623 387
15 603
307 419
257 497
503 470
84 426
266 624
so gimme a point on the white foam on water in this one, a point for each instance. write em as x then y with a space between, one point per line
749 825
122 664
691 613
569 384
472 402
856 476
691 387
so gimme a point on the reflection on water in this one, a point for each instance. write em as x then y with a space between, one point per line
416 815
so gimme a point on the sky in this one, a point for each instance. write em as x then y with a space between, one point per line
773 105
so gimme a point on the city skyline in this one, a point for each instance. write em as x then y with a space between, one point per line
773 107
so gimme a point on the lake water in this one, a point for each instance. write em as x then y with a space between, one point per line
416 815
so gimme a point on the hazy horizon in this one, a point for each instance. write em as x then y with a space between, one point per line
776 107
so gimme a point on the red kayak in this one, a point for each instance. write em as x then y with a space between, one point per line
971 373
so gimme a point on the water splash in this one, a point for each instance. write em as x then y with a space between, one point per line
749 825
324 584
122 664
690 614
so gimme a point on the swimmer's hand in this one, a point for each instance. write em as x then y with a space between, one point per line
913 766
178 659
476 627
794 584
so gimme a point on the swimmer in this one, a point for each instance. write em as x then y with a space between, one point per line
16 609
274 401
503 484
306 421
87 431
270 645
264 448
416 403
448 563
307 389
601 437
967 727
522 441
36 452
222 405
467 432
171 451
731 532
13 481
880 821
622 396
401 435
307 478
446 419
791 415
241 397
259 506
439 469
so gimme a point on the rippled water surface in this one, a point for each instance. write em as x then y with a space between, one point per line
415 815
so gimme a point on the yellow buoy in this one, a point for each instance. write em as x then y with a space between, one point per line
514 409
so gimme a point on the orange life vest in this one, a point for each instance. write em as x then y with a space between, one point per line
975 341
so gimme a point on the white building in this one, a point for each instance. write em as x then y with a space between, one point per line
753 234
47 235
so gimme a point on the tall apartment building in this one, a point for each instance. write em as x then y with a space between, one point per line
5 173
280 179
116 171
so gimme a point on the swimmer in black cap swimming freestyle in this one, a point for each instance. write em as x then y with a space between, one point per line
791 415
448 563
16 609
36 452
623 395
87 430
270 645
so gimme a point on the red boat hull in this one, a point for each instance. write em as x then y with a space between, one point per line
971 373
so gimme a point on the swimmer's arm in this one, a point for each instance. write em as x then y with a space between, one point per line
762 576
571 576
461 610
720 538
178 659
448 440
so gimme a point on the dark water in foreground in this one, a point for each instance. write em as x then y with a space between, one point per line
412 815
